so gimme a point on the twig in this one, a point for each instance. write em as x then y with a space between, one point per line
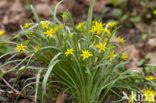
9 85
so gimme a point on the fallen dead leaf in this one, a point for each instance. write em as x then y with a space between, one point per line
151 44
69 4
24 101
100 5
153 35
42 9
17 6
141 27
153 59
134 54
3 3
44 1
60 98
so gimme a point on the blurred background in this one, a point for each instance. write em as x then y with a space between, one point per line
137 19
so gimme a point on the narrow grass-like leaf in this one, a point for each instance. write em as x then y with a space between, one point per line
89 20
55 11
36 17
37 84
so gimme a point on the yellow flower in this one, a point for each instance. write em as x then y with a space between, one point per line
69 51
85 29
80 25
149 95
1 33
85 54
96 46
154 12
38 48
56 28
27 41
71 35
124 56
107 34
20 47
27 25
64 16
112 24
112 47
111 55
50 32
102 47
44 25
151 78
97 28
121 40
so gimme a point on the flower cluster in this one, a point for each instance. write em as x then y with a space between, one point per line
97 28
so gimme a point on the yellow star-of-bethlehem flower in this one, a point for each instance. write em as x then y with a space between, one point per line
56 28
50 32
85 54
97 28
107 32
45 25
112 24
154 12
27 42
69 51
121 40
71 35
151 78
1 33
38 48
80 25
149 95
64 16
20 47
124 56
102 46
27 25
111 55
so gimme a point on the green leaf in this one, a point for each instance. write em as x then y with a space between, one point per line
36 17
148 16
55 10
89 20
117 12
105 10
144 36
135 19
147 70
141 62
1 73
123 18
149 56
3 99
154 65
